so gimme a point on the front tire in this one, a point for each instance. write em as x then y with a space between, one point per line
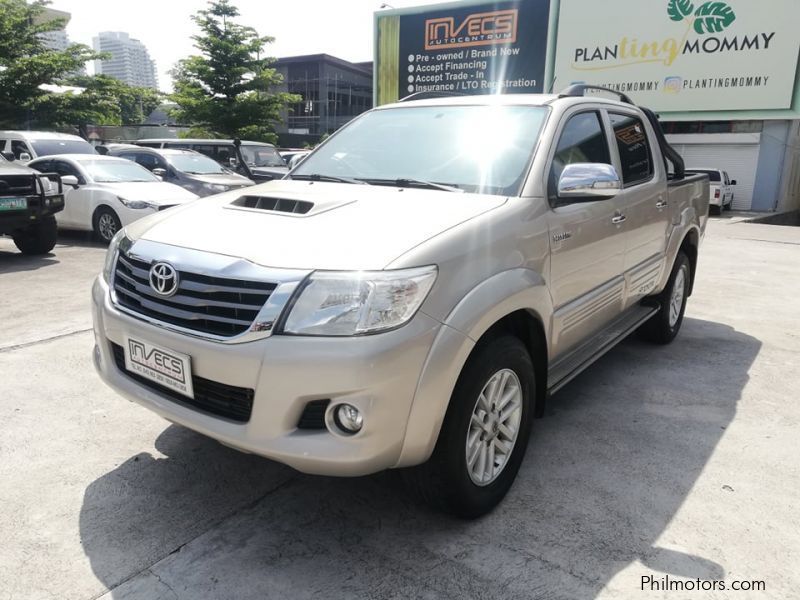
485 432
39 238
665 324
106 224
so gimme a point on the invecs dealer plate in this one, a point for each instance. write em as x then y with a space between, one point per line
160 365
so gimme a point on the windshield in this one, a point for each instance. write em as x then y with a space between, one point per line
116 171
712 175
484 149
261 156
49 147
195 164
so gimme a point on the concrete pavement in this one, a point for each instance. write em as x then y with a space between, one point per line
677 460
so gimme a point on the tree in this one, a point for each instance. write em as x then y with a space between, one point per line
227 87
101 100
26 63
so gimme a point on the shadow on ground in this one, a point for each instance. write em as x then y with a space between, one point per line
606 471
13 261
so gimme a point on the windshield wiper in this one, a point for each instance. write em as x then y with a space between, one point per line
405 182
333 178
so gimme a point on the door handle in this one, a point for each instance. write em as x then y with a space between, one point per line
617 219
661 204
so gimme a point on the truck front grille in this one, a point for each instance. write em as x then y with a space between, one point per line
220 399
18 185
213 305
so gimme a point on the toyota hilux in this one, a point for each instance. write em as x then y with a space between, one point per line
411 294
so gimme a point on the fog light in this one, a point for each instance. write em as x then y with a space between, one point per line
348 418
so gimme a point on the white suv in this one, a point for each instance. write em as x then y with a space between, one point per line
27 145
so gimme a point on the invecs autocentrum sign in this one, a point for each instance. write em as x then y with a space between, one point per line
479 29
683 54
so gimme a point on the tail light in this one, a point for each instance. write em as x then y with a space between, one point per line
716 194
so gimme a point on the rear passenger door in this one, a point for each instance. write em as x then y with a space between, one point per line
643 202
587 245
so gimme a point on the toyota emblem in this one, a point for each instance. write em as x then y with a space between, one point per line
163 279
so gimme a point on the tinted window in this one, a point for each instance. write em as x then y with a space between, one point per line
634 150
581 141
48 147
18 147
148 161
261 156
64 169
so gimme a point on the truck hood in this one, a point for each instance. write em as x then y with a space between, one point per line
155 192
345 226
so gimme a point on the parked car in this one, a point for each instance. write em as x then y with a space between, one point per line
28 203
255 160
27 145
410 295
720 188
190 170
295 158
105 193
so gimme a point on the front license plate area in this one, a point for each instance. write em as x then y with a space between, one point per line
160 365
13 203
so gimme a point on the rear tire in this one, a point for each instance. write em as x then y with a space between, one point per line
665 324
469 479
106 224
39 238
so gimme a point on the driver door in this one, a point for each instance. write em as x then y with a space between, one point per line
587 243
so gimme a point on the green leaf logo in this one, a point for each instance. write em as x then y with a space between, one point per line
678 10
713 17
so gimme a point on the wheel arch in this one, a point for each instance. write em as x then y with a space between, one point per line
516 302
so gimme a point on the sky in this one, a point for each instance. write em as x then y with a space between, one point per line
340 28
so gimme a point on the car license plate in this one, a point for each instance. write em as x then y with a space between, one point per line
13 203
160 365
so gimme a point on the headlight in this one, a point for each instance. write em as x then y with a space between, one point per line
118 240
216 187
136 204
359 302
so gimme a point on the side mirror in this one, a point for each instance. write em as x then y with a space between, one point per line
24 156
233 162
588 181
733 182
159 172
70 180
296 160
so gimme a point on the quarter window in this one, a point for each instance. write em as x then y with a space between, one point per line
634 150
582 141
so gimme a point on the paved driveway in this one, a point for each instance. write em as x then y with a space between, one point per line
677 462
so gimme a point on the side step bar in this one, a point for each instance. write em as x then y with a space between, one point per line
570 366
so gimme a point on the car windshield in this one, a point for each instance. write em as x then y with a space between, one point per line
195 164
712 175
483 149
116 171
50 147
261 156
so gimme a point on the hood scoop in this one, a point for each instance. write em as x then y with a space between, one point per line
279 205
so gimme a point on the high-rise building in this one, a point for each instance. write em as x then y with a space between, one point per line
57 39
130 61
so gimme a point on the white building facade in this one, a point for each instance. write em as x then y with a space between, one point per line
130 61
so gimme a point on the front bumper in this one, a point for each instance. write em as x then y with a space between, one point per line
378 374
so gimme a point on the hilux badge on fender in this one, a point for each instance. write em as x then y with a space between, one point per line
163 279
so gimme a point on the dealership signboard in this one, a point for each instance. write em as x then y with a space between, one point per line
463 48
683 55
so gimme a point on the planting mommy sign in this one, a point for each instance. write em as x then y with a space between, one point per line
683 55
